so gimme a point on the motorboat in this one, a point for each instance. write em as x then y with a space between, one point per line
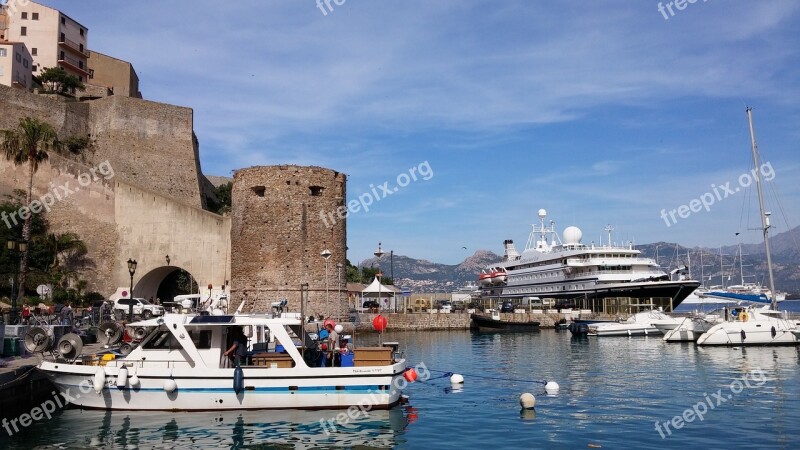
639 324
752 325
179 364
494 322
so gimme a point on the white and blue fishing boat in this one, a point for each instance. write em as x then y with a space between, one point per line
180 365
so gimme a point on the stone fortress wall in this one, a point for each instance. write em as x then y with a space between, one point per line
152 204
149 206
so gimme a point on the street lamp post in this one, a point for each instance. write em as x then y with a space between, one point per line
378 253
19 248
339 268
326 254
391 274
131 270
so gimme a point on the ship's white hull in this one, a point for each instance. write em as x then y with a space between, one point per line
315 388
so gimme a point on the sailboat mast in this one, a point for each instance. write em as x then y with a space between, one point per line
764 214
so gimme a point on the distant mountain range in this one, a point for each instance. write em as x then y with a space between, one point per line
425 276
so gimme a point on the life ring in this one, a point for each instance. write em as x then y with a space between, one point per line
743 316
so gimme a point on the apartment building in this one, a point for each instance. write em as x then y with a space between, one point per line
117 75
53 38
15 65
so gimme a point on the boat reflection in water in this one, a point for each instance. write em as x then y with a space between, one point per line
233 429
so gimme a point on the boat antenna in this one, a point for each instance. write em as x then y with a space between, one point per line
608 230
764 214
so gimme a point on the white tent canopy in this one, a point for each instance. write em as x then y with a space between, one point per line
385 295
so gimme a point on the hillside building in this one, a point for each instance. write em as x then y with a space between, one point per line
15 65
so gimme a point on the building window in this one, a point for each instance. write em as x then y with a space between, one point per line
82 31
80 64
316 191
24 16
25 63
23 31
2 53
35 68
19 57
63 38
34 51
259 190
1 67
35 16
63 20
81 47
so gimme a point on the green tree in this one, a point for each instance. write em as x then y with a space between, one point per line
222 203
29 143
58 80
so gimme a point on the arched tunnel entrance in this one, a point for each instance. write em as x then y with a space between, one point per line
164 283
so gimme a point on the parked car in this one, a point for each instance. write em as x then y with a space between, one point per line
141 307
445 306
507 307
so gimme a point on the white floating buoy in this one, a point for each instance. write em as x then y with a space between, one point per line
551 387
338 328
527 400
456 378
99 380
134 380
170 385
122 377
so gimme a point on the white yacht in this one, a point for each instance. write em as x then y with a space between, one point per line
748 325
576 272
751 325
639 324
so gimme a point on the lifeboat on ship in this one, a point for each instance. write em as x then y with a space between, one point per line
499 276
484 278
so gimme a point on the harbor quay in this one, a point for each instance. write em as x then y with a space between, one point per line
462 320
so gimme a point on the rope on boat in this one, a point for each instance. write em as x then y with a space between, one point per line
485 377
19 378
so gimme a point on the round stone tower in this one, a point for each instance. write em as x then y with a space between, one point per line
283 220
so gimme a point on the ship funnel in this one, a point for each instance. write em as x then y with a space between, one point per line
510 251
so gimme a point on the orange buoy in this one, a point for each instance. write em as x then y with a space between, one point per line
410 375
379 323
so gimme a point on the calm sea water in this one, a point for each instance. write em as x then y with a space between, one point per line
613 391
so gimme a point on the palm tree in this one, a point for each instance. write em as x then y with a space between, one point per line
28 143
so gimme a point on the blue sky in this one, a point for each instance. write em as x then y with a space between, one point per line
600 112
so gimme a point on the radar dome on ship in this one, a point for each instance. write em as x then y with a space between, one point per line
572 236
542 213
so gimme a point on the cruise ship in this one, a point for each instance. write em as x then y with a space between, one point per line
603 278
